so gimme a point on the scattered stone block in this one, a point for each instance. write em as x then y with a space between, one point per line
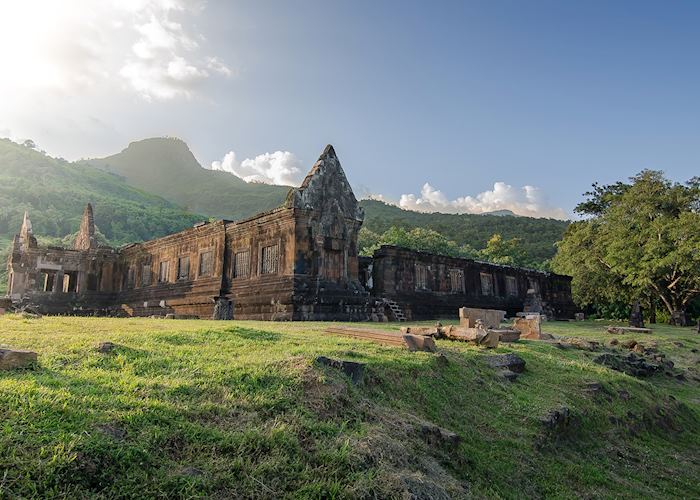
558 420
421 330
631 364
507 335
420 343
613 342
529 327
478 336
621 330
352 369
511 362
491 318
11 359
628 344
439 437
579 316
106 347
578 343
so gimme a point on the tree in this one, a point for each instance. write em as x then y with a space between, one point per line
505 252
638 241
419 239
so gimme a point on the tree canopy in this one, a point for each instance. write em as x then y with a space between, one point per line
638 241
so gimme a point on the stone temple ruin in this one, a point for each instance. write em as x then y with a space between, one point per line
297 262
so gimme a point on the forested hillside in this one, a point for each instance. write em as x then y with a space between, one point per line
165 166
537 235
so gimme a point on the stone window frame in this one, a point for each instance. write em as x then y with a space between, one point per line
180 260
164 277
261 250
234 269
144 267
201 253
491 289
422 284
130 277
511 286
452 271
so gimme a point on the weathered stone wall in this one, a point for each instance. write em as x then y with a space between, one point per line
429 286
193 265
261 285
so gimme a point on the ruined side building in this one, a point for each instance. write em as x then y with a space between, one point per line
296 262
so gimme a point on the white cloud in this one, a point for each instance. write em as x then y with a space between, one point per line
151 46
165 63
528 201
280 167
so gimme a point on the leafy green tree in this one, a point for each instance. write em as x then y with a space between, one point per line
507 252
419 239
638 241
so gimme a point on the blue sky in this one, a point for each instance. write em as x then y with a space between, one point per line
459 95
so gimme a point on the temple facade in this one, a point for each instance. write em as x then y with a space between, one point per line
296 262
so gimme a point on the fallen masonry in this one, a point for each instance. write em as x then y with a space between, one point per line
439 437
512 362
411 342
627 329
11 359
106 347
529 327
630 363
490 318
352 369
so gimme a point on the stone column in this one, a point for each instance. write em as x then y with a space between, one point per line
58 282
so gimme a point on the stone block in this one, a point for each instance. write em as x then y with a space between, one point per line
420 343
579 316
352 369
529 327
626 329
491 318
12 358
507 335
511 362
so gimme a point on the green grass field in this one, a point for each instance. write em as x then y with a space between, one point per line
186 409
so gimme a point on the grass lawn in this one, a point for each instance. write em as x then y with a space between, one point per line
185 409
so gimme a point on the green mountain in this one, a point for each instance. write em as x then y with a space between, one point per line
167 167
538 235
55 192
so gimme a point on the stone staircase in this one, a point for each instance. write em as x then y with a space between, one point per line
396 310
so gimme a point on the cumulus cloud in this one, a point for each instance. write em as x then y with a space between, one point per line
151 46
527 200
165 62
280 167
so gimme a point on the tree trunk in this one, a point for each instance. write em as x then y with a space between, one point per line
679 318
652 312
